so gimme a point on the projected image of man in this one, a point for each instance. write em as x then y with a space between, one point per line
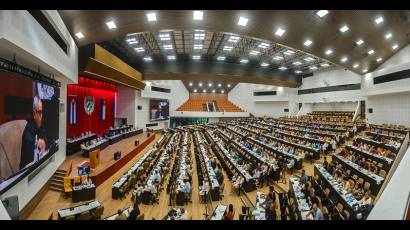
33 140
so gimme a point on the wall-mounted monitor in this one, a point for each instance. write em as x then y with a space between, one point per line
159 109
29 125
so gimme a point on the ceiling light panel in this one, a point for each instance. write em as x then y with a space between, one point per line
221 58
289 52
198 15
329 52
254 52
227 48
263 45
297 63
164 37
395 46
324 64
344 59
198 46
370 52
379 59
244 61
171 57
234 39
309 59
196 57
168 47
322 13
152 17
359 42
379 20
279 32
139 49
277 58
199 36
388 35
344 28
79 35
147 59
242 21
283 68
307 42
111 25
264 64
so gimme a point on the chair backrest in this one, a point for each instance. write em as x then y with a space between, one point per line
382 173
10 147
366 186
99 211
339 207
361 180
141 217
77 180
95 158
84 178
70 218
346 215
84 216
67 181
69 169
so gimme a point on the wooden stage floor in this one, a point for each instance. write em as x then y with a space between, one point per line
106 155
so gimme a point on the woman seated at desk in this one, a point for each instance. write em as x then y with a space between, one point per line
358 191
366 200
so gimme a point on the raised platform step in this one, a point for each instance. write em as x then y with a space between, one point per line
56 189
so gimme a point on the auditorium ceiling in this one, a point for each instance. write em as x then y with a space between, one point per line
273 47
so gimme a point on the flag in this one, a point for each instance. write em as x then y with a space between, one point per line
73 111
102 108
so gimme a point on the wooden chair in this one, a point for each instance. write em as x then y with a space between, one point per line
361 181
98 212
382 173
70 218
67 186
84 216
325 213
77 180
94 159
346 215
141 217
84 179
366 186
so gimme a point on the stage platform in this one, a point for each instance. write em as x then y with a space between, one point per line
108 166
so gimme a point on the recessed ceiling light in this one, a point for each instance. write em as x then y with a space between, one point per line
388 35
209 84
322 13
289 52
200 84
195 90
297 63
204 91
222 91
190 84
324 64
227 48
167 47
313 67
199 36
309 59
147 59
370 52
131 40
364 71
152 17
139 49
277 58
233 39
264 64
395 46
379 59
344 59
213 91
242 21
244 61
359 42
171 57
198 46
344 28
298 71
111 24
228 85
196 57
79 35
219 85
164 37
279 32
198 15
263 45
355 65
283 68
379 20
254 52
307 42
329 52
221 58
